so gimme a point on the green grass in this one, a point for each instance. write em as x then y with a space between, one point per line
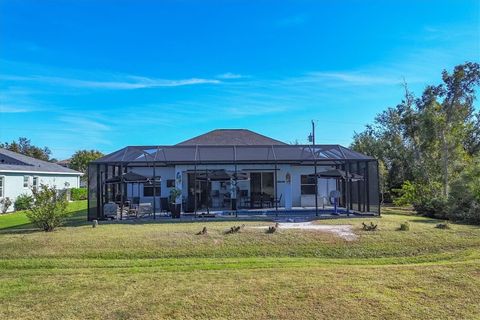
163 270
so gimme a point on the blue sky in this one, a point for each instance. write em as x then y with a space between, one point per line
105 74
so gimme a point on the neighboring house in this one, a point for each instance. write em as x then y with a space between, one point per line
64 163
19 174
232 169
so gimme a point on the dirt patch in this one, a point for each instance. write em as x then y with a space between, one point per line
343 231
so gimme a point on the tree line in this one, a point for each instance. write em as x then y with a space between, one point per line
428 147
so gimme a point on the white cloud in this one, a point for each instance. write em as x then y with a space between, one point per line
124 83
356 78
83 123
4 108
230 75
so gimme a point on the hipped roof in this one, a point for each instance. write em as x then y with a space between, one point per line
181 154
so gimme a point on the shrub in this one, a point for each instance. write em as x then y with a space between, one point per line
203 231
432 207
404 226
5 204
78 194
23 202
369 227
49 208
235 229
272 229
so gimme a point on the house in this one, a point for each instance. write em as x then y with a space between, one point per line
236 170
19 174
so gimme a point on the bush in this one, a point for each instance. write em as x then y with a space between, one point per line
23 202
5 204
78 194
369 227
464 198
432 207
404 226
49 208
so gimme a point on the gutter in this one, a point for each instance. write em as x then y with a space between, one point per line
43 172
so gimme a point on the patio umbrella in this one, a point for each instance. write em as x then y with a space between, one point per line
221 175
131 177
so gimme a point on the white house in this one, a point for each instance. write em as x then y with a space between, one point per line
234 169
19 174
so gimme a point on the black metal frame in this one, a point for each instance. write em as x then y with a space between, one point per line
304 155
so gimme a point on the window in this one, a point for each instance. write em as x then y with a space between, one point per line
307 184
148 190
171 183
35 183
26 181
2 187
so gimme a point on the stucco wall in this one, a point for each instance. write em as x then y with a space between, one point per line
324 185
14 183
165 173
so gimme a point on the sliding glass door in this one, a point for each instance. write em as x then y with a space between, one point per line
262 189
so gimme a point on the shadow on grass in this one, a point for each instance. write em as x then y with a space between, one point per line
426 221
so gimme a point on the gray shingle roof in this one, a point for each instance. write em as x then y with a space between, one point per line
12 161
222 137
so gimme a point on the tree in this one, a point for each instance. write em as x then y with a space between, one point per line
81 158
427 141
48 210
25 147
464 198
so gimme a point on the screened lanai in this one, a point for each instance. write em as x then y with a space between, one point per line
359 194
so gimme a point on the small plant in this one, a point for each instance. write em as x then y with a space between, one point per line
49 208
23 202
369 227
272 229
445 225
174 194
175 207
404 226
5 204
235 229
203 231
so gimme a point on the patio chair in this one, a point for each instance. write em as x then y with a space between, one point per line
276 202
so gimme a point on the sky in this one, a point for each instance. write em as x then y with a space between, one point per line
106 74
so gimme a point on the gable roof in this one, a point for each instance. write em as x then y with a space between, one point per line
15 162
231 137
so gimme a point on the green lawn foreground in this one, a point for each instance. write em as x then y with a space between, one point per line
163 270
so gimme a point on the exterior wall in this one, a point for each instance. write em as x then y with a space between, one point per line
14 183
167 173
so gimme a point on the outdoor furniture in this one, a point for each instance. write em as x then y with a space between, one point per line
277 201
110 210
266 200
245 202
145 209
164 204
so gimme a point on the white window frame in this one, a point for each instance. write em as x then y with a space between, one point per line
27 181
35 186
2 187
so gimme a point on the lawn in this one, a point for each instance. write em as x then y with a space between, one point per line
163 270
